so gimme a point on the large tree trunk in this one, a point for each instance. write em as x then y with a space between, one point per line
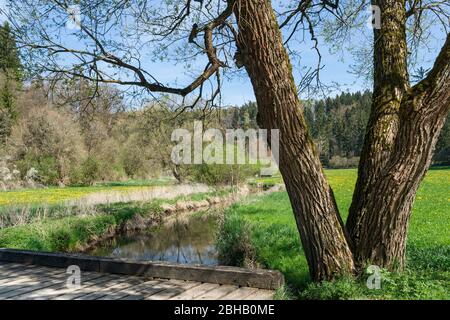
268 65
390 84
383 223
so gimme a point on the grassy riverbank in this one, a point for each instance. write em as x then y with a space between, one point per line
262 231
74 232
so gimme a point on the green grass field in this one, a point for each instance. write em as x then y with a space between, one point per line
260 230
276 245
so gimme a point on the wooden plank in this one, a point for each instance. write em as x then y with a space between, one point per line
57 289
217 293
34 268
16 284
40 289
8 268
5 264
19 281
261 294
24 279
115 295
32 278
111 289
133 290
96 285
219 275
30 287
57 260
13 278
258 278
66 293
24 270
195 292
151 290
175 287
30 282
31 271
147 289
34 282
239 294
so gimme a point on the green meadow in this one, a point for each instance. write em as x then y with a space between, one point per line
262 231
257 232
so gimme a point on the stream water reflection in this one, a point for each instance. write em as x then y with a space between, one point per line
181 240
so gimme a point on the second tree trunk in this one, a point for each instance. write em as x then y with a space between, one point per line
268 65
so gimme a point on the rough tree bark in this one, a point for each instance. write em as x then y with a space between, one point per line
390 84
403 128
422 114
268 66
381 213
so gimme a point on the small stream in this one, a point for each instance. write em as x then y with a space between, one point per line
186 240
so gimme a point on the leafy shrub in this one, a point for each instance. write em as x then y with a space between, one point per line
132 163
222 174
90 171
47 168
234 243
59 240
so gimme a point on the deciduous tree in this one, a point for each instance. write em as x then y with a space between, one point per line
403 128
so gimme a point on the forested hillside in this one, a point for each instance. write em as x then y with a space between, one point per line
338 127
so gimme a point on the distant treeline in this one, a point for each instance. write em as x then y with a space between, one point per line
338 127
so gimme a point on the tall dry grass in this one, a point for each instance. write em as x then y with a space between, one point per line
16 215
141 195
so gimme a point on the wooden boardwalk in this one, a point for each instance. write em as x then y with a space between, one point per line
31 275
30 282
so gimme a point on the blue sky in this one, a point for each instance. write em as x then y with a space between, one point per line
238 90
336 69
2 5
